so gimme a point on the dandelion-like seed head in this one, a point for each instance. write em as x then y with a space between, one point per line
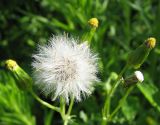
65 71
64 68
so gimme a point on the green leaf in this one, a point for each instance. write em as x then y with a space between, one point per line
14 103
130 108
151 92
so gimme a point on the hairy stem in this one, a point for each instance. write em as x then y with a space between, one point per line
106 110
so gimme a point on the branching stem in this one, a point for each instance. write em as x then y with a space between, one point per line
106 110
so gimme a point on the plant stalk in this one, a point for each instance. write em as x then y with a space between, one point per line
106 110
121 102
44 103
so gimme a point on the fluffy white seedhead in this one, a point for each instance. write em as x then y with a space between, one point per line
65 68
139 76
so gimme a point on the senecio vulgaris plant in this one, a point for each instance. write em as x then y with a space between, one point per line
66 70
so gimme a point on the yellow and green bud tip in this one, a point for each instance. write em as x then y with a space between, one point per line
137 57
23 80
90 31
11 64
93 22
150 42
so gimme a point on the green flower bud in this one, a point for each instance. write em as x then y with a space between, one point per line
90 31
137 57
23 80
137 77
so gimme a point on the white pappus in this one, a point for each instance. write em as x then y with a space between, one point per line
64 68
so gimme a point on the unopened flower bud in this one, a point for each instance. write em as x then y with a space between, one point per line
137 57
137 77
23 80
93 22
150 42
90 31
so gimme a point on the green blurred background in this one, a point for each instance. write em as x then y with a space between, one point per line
123 25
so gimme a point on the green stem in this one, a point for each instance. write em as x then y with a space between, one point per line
66 116
63 111
63 105
62 108
121 102
70 106
66 122
87 36
106 110
44 103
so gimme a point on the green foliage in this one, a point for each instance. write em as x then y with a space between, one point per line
14 104
131 108
151 92
124 24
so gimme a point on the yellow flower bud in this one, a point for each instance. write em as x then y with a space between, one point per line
90 31
137 57
93 22
11 64
150 42
23 80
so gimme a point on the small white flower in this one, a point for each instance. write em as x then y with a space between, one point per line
65 68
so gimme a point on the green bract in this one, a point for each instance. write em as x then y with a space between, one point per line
88 35
137 57
23 80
